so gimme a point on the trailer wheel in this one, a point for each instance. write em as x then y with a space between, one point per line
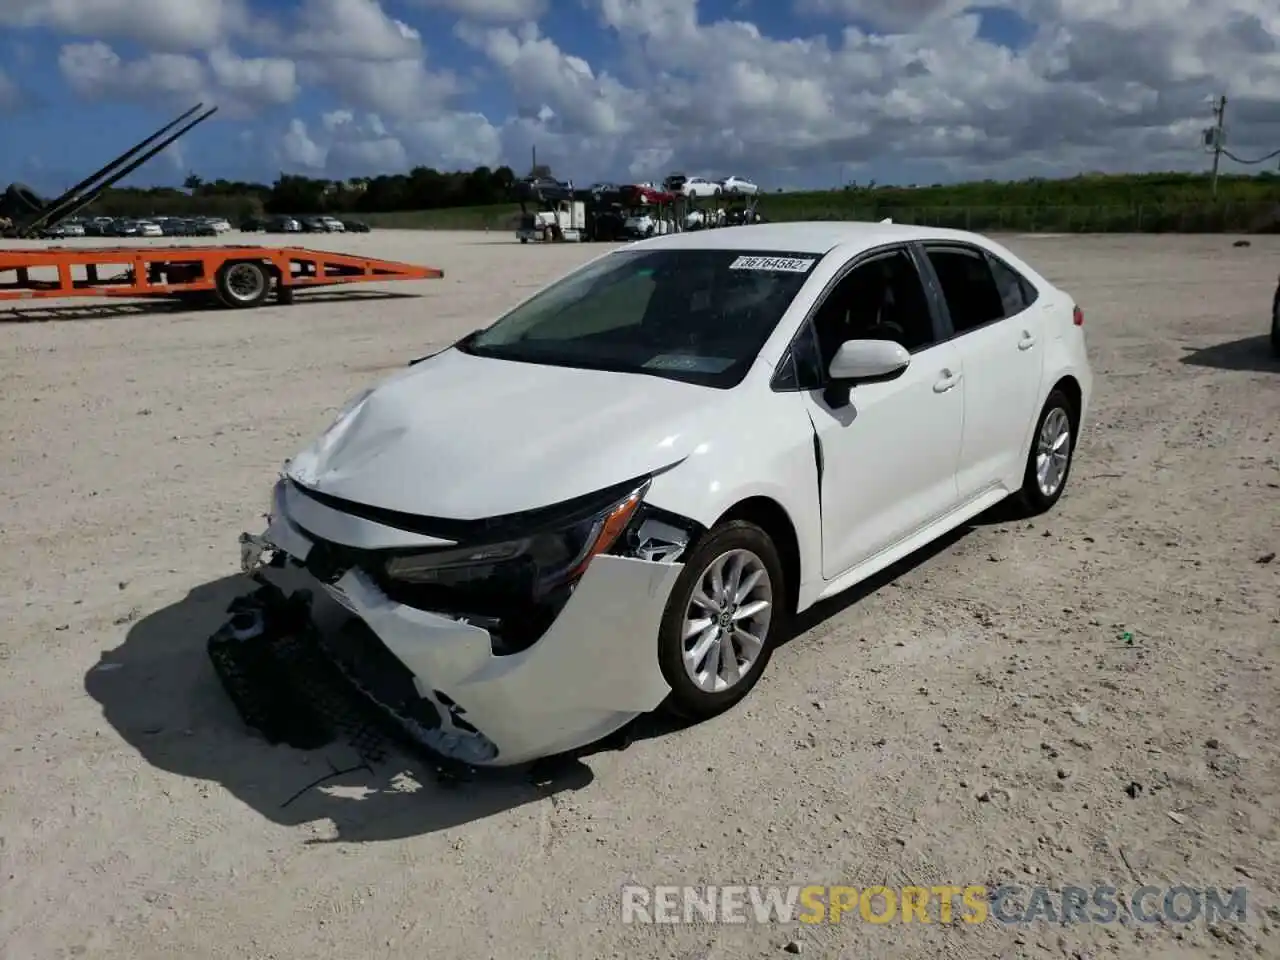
242 284
21 198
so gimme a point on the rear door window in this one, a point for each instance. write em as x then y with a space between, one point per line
1016 291
969 287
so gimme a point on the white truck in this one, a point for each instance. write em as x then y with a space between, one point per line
562 220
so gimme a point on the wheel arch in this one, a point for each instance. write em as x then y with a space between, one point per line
771 517
1070 386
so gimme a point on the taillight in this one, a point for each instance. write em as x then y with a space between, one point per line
1077 316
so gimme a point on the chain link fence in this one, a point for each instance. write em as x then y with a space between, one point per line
1140 218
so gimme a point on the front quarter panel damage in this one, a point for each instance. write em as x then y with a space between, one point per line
592 672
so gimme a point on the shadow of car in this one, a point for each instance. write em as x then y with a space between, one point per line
158 690
1258 354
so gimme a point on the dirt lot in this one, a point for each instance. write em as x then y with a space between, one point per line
976 718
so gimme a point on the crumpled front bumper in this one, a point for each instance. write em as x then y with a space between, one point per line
593 671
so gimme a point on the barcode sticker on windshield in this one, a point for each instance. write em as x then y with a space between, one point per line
786 264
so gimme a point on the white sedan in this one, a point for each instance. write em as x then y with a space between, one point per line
701 187
738 185
617 496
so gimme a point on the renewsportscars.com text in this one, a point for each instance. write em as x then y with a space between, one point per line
973 903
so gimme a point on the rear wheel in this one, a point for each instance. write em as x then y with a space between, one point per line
241 284
1049 460
722 620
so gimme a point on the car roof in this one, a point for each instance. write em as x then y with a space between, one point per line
819 236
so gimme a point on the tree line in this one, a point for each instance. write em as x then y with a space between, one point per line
481 197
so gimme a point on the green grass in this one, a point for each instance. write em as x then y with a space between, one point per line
500 217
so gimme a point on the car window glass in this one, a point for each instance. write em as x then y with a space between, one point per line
882 299
968 287
810 372
614 306
695 315
1011 287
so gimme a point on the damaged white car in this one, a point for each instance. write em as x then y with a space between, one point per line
615 497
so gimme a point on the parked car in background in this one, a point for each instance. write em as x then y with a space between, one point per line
313 225
741 216
149 228
701 187
65 230
219 224
674 183
253 225
643 224
333 224
738 185
283 224
805 405
355 226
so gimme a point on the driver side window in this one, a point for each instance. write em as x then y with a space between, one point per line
880 299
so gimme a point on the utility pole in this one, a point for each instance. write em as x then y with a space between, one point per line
1218 138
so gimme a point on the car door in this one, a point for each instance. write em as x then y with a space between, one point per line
998 329
888 451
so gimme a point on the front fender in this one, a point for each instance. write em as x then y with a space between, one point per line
767 452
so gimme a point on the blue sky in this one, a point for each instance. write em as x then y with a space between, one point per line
791 93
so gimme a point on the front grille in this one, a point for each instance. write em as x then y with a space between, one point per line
366 659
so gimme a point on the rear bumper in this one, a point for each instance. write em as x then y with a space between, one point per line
592 672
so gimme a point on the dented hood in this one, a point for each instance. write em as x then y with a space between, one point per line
466 438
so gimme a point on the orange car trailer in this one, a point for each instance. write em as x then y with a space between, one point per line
235 276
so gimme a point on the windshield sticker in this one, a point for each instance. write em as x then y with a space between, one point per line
785 264
689 364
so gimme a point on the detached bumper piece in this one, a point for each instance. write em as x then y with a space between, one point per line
269 662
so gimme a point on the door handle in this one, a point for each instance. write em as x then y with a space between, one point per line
1027 341
948 381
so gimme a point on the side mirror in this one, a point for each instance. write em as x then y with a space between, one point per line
868 361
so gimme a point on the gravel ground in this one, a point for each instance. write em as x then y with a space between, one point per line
978 717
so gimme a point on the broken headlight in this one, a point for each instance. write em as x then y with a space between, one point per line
533 566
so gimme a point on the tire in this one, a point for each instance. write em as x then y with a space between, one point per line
1057 415
1275 325
723 547
21 198
242 284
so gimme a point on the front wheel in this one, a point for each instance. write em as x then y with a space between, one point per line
722 620
1049 460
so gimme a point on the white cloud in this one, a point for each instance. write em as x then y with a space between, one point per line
394 88
347 144
352 29
96 71
298 150
254 80
1093 84
168 25
495 11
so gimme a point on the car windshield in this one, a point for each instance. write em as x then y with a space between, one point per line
699 316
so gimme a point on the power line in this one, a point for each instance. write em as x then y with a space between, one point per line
1231 156
1215 142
